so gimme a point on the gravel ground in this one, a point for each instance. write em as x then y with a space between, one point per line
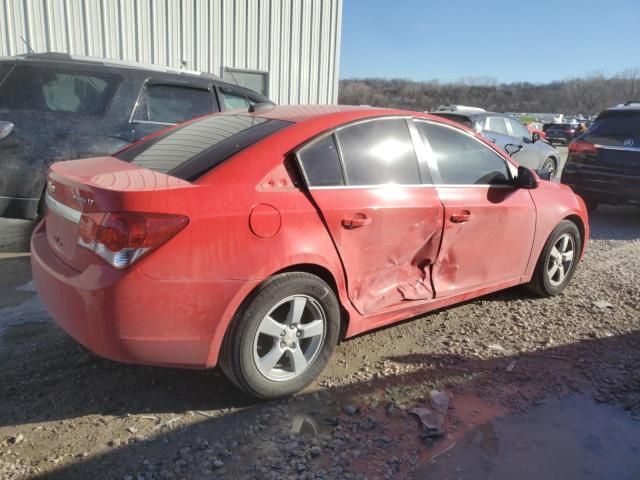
65 413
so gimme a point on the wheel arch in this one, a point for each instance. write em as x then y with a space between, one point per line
326 275
244 294
581 228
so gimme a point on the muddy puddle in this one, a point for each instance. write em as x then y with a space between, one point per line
571 438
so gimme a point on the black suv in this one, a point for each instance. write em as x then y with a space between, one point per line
603 165
57 107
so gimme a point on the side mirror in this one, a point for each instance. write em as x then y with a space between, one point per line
535 136
526 178
512 148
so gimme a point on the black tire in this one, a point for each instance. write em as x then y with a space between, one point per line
237 355
550 164
540 283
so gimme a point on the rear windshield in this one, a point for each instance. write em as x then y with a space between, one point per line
616 125
44 89
190 150
466 121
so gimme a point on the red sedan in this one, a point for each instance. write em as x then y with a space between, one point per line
257 241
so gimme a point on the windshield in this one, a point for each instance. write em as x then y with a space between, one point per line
190 150
45 89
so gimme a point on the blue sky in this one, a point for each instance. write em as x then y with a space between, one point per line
516 40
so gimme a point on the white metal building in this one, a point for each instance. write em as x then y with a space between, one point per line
287 49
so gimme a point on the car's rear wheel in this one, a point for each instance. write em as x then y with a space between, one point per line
283 336
558 260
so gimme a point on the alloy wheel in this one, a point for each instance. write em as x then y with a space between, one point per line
289 337
561 259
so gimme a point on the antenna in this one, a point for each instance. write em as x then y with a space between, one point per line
244 94
29 49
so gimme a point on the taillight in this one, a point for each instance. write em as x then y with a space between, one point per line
582 147
122 238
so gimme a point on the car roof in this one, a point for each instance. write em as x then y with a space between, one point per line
106 62
625 107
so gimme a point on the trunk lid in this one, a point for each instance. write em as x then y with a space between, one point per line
106 184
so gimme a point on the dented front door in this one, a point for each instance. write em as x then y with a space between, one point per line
489 223
388 239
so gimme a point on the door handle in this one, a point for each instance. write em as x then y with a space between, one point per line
492 140
461 217
360 220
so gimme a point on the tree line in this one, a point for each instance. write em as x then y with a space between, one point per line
582 95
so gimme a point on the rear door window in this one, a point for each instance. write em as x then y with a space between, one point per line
173 104
321 163
461 159
496 125
57 90
190 150
379 152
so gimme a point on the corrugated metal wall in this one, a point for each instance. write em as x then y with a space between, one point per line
296 41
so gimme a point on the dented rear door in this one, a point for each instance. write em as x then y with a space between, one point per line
380 208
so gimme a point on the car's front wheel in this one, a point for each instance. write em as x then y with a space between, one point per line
558 260
283 336
550 165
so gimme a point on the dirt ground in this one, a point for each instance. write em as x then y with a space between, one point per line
533 386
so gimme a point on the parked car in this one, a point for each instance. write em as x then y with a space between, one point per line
507 133
257 240
562 133
603 165
458 108
54 106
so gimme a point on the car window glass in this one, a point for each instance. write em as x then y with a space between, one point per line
497 125
461 159
173 104
4 69
519 130
190 149
233 100
616 127
321 163
379 152
54 90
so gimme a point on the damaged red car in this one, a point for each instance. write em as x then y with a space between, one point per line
257 240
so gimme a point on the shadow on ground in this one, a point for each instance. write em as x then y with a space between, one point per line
48 377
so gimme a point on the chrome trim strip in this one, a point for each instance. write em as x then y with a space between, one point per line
149 122
399 185
621 149
63 210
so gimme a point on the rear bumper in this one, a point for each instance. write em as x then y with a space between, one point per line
606 185
559 139
129 317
